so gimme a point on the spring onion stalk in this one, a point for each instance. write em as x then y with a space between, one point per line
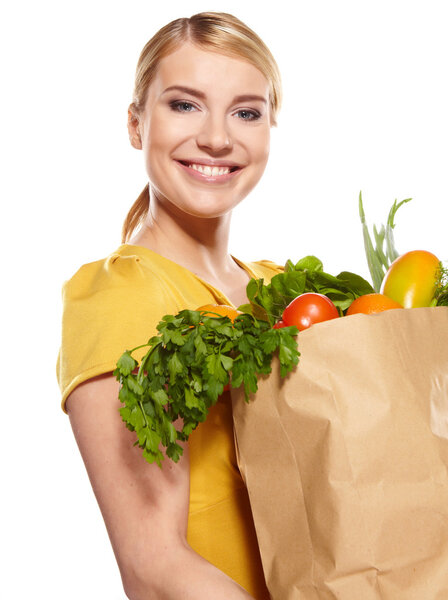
392 253
379 241
373 261
378 258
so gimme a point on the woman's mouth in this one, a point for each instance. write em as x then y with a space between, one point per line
209 173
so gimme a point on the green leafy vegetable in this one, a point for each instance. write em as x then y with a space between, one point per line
307 275
185 370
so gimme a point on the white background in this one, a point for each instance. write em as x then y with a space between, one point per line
365 100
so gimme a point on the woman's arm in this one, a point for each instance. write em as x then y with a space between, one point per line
145 508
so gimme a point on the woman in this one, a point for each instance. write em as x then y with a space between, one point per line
207 93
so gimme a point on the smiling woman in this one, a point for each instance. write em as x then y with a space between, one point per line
188 133
207 93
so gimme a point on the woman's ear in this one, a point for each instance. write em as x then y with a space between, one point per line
134 127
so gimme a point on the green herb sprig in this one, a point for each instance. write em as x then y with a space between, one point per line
441 293
186 368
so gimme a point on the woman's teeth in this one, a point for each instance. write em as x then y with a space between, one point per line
210 171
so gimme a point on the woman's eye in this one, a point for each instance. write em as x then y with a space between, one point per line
249 115
181 106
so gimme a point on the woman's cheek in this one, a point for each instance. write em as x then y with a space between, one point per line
261 146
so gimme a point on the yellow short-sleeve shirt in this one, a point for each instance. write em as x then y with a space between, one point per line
115 304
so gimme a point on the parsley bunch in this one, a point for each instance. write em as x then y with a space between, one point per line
186 368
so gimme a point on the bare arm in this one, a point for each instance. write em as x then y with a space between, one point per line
145 508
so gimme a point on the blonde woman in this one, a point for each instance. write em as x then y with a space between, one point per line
207 93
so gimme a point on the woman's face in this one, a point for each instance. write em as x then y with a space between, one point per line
204 131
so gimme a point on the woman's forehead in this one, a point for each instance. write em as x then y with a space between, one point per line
208 71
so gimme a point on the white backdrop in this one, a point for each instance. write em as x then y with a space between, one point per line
365 100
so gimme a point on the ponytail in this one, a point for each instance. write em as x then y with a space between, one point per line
136 215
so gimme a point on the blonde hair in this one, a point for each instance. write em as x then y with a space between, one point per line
215 31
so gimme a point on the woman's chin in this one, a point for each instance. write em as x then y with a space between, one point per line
204 207
208 211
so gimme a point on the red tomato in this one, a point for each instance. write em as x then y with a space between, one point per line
309 308
279 325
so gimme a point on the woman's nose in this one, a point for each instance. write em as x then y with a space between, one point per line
214 134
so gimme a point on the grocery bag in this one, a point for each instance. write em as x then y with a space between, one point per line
346 461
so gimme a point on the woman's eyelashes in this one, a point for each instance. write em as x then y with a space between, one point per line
251 115
183 106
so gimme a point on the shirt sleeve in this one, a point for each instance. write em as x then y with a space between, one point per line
109 306
267 269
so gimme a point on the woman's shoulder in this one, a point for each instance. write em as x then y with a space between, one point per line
122 268
117 293
109 305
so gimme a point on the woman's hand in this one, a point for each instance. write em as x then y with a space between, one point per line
145 508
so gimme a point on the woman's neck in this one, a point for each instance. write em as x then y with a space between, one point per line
199 244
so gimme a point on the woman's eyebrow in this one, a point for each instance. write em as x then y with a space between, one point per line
202 96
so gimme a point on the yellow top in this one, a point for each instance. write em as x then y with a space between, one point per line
115 304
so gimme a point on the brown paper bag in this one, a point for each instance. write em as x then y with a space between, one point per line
346 461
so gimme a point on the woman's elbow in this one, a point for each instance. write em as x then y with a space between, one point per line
148 575
141 582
